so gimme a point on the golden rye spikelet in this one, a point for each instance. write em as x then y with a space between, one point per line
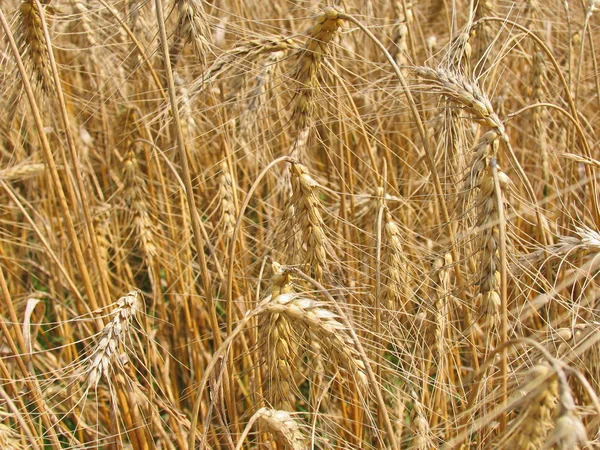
239 58
586 243
539 116
488 222
441 274
400 50
569 433
458 59
459 55
102 230
394 271
134 195
9 439
421 430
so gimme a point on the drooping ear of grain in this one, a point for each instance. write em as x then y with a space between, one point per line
465 93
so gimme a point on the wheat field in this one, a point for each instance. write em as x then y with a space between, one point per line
294 224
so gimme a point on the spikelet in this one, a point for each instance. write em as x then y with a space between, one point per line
457 59
540 117
488 222
306 76
585 244
239 58
283 427
191 28
279 345
307 214
421 430
33 45
114 332
22 171
102 230
464 92
9 439
438 320
134 194
569 433
226 199
535 417
394 294
400 50
324 325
